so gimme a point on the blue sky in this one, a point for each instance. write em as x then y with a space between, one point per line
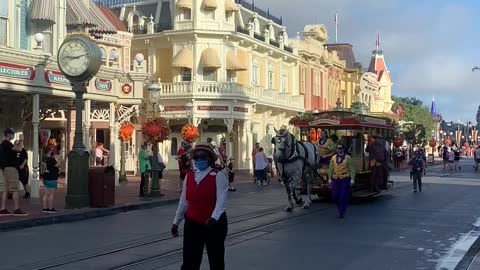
430 46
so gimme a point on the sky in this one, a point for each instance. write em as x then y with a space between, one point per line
429 46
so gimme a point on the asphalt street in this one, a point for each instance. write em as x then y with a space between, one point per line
397 230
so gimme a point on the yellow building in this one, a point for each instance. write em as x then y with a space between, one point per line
231 63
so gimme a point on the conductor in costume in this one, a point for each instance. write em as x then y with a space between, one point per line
202 204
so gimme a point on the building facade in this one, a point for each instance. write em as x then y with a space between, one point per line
37 99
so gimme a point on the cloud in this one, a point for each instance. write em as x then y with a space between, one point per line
430 46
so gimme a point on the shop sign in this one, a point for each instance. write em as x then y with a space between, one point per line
103 85
174 108
53 76
126 89
16 71
213 108
240 109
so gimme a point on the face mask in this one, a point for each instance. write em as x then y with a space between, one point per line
201 164
341 152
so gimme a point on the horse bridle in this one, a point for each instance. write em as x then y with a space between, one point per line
288 145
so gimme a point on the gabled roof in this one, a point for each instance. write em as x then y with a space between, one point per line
378 66
114 20
345 52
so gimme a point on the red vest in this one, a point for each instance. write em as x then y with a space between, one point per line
202 197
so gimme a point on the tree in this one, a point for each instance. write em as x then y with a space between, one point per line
419 120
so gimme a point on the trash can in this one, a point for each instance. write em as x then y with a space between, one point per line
101 186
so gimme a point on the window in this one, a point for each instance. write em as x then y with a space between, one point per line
114 56
104 55
3 22
187 14
210 14
228 16
174 147
231 76
186 75
271 77
302 80
47 30
316 83
255 75
209 75
284 83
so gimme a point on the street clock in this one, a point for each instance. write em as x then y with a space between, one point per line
79 58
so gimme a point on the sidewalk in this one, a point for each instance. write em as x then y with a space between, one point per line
126 199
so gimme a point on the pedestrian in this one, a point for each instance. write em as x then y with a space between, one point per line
180 152
50 182
456 153
261 163
145 168
254 152
477 157
185 164
100 152
417 167
202 204
219 164
341 173
231 175
377 162
445 156
9 174
22 168
451 159
161 166
223 150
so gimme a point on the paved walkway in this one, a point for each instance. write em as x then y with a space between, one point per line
126 198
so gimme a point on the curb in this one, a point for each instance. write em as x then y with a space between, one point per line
78 216
469 256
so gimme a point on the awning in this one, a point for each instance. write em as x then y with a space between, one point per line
234 63
183 59
210 4
210 59
103 25
231 6
78 15
43 10
184 4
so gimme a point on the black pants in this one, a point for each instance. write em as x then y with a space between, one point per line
143 181
196 236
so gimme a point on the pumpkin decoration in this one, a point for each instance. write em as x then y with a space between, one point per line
398 142
313 135
155 129
126 131
189 133
432 142
448 141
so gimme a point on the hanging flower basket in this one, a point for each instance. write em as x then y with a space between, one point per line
398 142
189 133
126 131
155 129
432 143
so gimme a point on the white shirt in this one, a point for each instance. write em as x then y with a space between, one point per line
222 193
260 161
98 152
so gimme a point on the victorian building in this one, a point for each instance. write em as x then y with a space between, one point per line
37 99
320 70
382 99
231 63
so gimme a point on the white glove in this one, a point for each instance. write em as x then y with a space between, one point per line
352 183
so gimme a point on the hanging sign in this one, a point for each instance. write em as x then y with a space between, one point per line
16 71
53 76
212 108
103 85
126 89
240 109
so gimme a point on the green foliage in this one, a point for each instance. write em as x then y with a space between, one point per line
416 112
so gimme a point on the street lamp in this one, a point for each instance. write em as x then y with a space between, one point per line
154 94
189 112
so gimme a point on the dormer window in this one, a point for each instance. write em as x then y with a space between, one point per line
3 22
185 9
104 55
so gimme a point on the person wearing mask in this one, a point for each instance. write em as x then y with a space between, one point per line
9 174
50 182
417 167
145 168
202 204
341 173
22 167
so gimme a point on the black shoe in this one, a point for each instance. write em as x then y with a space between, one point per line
27 195
19 213
45 210
51 211
10 196
4 212
414 190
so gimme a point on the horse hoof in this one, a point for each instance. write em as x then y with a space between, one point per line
288 209
299 202
306 206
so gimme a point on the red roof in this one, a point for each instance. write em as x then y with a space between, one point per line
110 16
378 66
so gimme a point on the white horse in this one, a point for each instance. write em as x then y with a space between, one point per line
297 163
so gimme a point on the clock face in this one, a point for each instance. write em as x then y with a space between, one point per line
74 58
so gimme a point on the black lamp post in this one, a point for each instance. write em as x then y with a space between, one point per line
154 94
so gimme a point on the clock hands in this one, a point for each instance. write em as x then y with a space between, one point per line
75 57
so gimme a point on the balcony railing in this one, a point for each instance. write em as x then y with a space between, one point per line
274 43
242 30
288 49
143 29
259 37
259 11
216 90
138 29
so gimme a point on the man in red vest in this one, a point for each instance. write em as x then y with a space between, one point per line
202 203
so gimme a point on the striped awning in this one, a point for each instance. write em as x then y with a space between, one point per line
234 63
184 4
103 26
210 59
210 4
43 10
183 59
231 6
78 14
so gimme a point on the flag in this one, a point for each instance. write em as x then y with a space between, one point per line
433 108
377 42
336 18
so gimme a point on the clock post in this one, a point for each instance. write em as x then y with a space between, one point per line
79 59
